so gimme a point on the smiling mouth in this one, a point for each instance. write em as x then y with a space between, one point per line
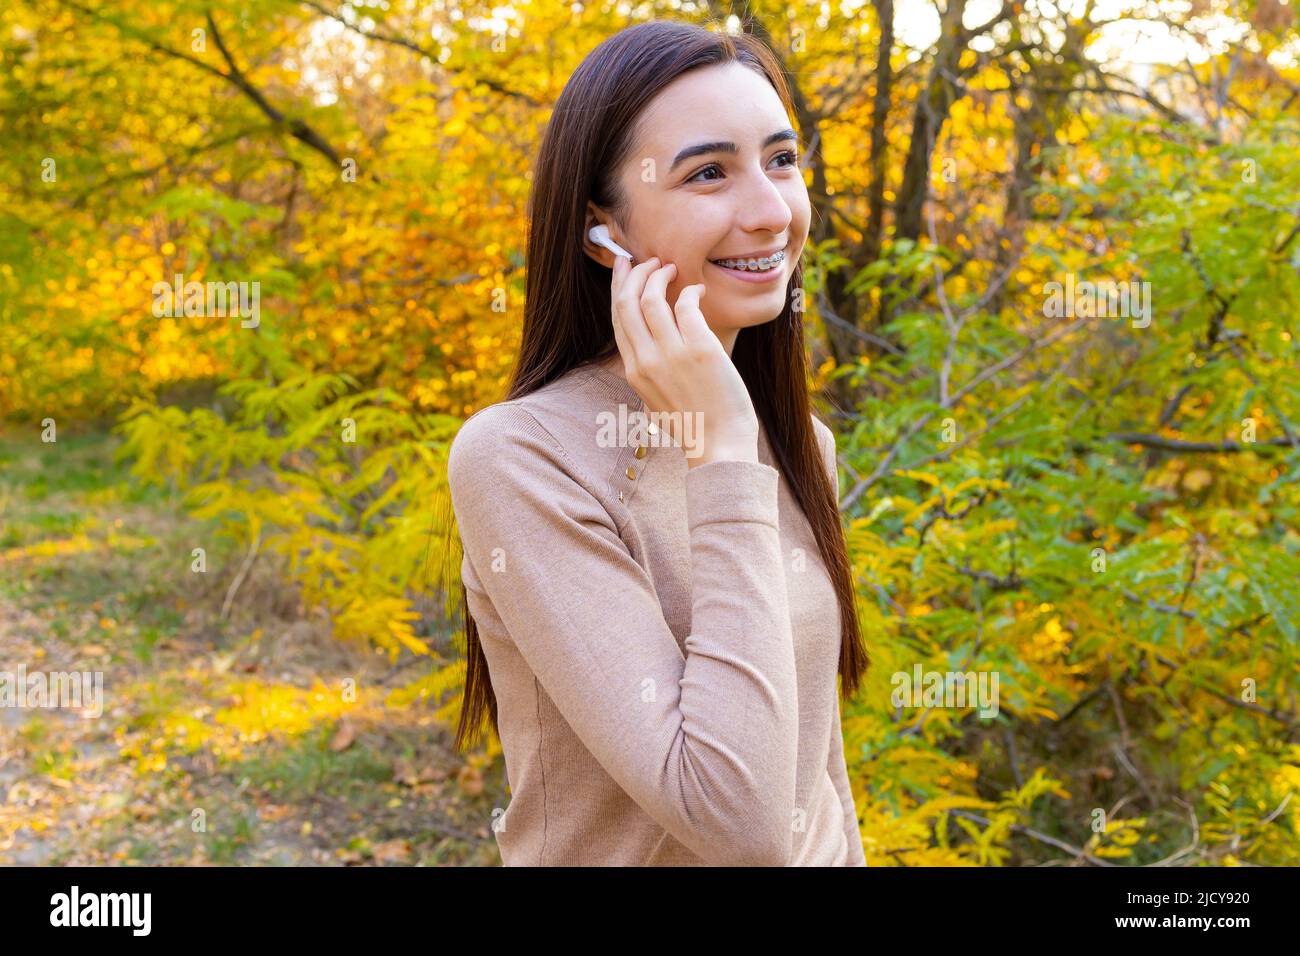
760 264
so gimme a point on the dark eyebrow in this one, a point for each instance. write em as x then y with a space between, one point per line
700 149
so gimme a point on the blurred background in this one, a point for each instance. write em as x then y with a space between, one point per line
259 260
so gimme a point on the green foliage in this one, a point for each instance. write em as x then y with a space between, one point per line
1137 597
339 483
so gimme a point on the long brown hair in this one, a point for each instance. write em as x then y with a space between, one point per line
567 300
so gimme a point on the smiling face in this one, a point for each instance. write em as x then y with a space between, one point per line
713 175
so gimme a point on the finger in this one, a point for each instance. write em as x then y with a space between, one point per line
630 333
627 303
618 274
655 308
690 320
620 268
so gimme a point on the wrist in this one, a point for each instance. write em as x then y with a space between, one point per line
731 450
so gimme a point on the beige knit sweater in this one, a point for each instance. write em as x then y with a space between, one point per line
663 642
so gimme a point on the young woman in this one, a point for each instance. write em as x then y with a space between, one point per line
656 617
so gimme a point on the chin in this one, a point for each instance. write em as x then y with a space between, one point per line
755 314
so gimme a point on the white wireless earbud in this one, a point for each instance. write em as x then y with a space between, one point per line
600 236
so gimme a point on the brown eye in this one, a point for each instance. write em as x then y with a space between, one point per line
696 177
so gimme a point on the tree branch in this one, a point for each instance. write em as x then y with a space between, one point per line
414 47
296 127
1177 444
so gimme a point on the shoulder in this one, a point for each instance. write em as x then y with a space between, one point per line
541 439
502 466
510 476
499 442
501 428
826 444
825 437
486 435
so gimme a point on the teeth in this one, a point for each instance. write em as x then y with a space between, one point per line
762 264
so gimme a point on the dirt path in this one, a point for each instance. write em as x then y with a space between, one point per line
250 739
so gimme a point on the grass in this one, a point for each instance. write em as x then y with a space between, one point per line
308 768
216 745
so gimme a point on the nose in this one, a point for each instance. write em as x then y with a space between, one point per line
763 207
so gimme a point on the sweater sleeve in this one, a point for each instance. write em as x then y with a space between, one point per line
705 743
840 774
835 763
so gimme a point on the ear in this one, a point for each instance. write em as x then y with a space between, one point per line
595 216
